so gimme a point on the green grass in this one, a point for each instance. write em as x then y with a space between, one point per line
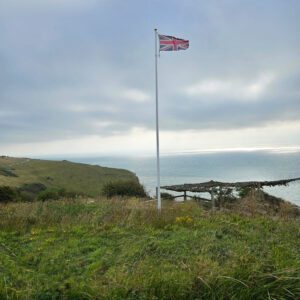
73 177
117 249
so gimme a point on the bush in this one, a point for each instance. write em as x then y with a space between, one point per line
124 189
7 194
48 195
34 191
33 188
7 172
243 191
29 191
56 194
166 196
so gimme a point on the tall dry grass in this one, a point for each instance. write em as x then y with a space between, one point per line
123 249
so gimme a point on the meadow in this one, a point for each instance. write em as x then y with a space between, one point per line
29 174
122 249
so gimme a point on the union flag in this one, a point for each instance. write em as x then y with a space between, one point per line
171 43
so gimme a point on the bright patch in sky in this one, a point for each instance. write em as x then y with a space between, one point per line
140 141
135 95
232 88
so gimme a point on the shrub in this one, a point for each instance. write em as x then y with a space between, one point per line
224 196
7 172
55 194
48 195
33 187
124 189
30 191
34 191
26 196
7 194
243 191
167 196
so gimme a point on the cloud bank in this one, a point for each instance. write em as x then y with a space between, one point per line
75 69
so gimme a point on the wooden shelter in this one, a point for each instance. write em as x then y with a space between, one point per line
212 186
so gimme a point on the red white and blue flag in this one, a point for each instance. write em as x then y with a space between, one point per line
171 43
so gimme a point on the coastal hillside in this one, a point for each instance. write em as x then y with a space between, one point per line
113 249
74 177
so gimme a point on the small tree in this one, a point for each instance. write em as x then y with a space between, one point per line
124 189
244 191
224 196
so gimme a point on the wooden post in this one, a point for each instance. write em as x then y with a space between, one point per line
221 197
184 196
213 204
260 193
252 192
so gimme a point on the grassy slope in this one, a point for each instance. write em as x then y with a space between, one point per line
60 174
123 250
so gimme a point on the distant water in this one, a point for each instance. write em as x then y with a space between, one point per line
226 166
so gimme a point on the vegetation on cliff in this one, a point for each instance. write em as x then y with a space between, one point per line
28 178
122 249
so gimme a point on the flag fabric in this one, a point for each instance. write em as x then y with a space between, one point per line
171 43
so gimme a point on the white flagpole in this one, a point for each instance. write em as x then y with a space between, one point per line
157 127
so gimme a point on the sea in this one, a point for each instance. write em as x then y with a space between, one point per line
227 166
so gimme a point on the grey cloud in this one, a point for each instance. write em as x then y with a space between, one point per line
63 70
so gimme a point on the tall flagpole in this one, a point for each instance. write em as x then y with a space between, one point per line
157 127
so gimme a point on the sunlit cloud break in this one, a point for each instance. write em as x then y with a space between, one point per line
232 88
135 95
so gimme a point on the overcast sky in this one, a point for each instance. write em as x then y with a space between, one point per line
77 76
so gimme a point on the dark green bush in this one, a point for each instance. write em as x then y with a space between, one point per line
224 196
7 194
243 191
32 192
63 193
28 192
33 187
26 196
48 195
7 172
55 194
124 189
167 196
